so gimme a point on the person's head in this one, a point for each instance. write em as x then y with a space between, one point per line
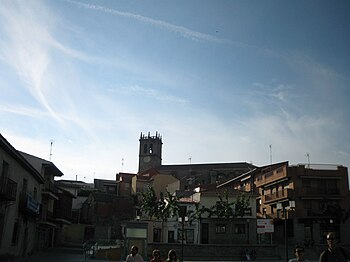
331 240
172 254
156 253
299 252
134 250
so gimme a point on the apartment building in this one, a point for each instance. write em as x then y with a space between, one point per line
320 197
20 202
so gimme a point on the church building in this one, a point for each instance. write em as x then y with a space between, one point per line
190 175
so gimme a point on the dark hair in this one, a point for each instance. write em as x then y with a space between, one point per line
298 247
171 253
135 247
155 251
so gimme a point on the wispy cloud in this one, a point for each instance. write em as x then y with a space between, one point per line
22 110
137 90
25 49
183 31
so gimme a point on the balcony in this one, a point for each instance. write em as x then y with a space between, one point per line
50 190
270 177
8 189
317 192
278 196
63 215
46 215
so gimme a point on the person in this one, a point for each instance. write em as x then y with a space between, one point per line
156 256
134 256
299 254
334 253
172 257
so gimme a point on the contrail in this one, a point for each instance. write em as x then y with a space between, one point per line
183 31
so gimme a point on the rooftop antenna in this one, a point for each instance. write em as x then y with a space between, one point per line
308 159
51 145
122 164
270 154
190 159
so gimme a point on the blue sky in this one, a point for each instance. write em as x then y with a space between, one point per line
220 80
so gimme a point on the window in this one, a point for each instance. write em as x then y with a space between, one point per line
151 148
179 235
182 211
307 183
307 204
157 234
24 186
15 233
35 193
220 229
171 236
145 149
2 223
5 169
240 229
189 236
321 186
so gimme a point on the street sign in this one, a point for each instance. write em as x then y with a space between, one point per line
264 226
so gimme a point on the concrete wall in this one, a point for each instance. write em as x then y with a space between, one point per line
215 252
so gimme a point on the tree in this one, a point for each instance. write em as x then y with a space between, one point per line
168 206
162 208
226 209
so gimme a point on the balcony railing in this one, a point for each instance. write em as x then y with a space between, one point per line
46 215
270 177
49 186
319 191
63 214
285 193
8 189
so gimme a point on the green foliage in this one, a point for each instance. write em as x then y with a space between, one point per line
168 206
162 208
226 209
199 212
242 204
223 208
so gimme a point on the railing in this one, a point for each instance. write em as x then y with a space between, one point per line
285 193
65 213
8 188
49 186
319 191
269 177
46 215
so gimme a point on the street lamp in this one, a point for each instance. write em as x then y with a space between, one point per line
182 221
284 210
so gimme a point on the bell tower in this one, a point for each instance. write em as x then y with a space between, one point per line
150 152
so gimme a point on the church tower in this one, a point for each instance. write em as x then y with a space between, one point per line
150 152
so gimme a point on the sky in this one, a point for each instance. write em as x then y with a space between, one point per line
221 81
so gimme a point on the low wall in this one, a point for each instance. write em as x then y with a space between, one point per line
210 252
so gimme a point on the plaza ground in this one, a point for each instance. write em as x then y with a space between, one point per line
76 255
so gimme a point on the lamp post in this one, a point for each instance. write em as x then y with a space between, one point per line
182 220
285 214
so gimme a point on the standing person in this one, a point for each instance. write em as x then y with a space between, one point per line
334 253
299 254
156 256
172 257
134 256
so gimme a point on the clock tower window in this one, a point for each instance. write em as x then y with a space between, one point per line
145 149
